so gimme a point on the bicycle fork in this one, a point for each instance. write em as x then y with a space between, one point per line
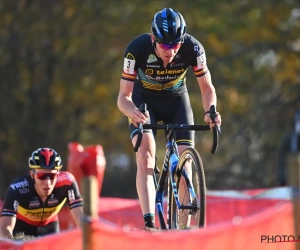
189 184
169 168
192 204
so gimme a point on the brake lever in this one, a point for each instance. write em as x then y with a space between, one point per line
142 108
213 115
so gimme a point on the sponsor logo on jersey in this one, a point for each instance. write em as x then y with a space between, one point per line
63 177
150 77
45 214
152 66
52 201
198 50
71 195
152 58
130 56
170 71
163 78
149 72
34 203
16 205
174 64
21 184
177 57
23 190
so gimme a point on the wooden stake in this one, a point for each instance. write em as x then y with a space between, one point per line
90 210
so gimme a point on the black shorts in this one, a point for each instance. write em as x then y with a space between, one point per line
170 109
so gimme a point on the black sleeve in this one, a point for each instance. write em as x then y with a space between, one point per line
11 203
74 196
132 56
197 56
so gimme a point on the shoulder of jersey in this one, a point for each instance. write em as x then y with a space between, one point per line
21 178
21 182
190 39
64 178
193 43
137 43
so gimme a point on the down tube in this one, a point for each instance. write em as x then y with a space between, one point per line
160 189
173 163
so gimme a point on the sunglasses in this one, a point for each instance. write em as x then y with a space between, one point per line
169 46
45 176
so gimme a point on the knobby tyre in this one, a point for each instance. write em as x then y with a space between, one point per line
194 216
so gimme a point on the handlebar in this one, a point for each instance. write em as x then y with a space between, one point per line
216 129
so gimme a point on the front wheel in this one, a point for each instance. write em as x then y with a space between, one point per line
191 192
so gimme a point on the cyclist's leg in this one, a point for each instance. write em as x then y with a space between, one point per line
145 161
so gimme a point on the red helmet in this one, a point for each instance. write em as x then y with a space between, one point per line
45 158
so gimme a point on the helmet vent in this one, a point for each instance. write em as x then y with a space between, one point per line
47 153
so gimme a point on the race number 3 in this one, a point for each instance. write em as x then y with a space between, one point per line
128 66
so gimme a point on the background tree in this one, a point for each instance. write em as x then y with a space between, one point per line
60 67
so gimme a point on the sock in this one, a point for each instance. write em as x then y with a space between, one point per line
149 220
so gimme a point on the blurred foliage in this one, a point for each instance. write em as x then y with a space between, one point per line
21 237
60 67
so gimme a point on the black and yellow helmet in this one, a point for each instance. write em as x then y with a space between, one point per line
45 158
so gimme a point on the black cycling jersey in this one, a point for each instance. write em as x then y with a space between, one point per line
164 88
142 65
33 216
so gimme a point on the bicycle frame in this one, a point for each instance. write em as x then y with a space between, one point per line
171 160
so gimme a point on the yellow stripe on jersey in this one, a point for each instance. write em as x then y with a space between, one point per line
200 72
128 76
174 82
153 86
39 214
159 86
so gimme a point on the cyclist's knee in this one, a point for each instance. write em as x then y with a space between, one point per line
145 156
145 160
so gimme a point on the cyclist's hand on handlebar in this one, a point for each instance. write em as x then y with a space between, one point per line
208 120
138 117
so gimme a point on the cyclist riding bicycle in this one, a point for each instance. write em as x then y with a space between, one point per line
154 73
33 201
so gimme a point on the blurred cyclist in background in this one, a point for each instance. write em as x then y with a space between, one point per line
33 201
290 143
154 72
